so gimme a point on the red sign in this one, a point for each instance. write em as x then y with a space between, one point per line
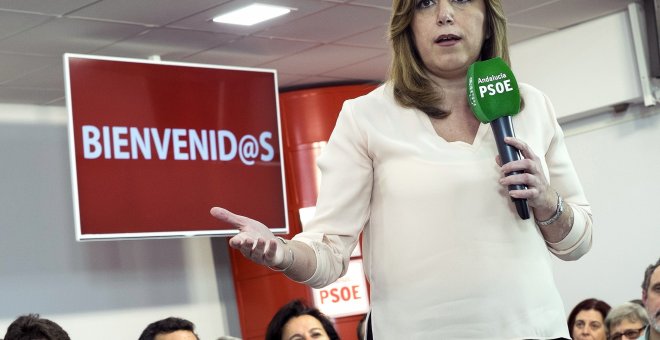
154 145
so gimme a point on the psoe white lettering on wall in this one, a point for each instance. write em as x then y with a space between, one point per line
346 296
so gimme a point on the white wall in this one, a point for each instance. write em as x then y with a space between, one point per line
587 69
583 67
617 157
95 290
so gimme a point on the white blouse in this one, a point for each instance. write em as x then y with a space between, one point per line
444 250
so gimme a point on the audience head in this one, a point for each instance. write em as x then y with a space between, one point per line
627 320
637 301
32 327
587 320
296 320
170 329
651 295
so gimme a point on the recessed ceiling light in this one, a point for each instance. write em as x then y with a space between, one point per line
252 14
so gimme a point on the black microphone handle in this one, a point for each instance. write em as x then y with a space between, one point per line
502 127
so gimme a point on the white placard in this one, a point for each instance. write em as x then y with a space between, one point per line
346 296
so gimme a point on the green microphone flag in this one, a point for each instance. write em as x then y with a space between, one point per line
492 90
494 97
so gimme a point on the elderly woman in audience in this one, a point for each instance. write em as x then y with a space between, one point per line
587 320
626 321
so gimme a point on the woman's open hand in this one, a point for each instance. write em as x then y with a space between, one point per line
254 240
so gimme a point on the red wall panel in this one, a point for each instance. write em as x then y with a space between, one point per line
308 117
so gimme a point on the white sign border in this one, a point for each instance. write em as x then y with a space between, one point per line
155 235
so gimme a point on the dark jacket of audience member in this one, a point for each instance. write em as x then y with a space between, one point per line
295 309
31 326
166 326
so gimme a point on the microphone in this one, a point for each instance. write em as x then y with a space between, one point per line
494 97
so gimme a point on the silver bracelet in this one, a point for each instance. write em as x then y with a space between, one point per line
292 258
555 217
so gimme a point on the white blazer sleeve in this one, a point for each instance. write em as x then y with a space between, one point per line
564 179
342 207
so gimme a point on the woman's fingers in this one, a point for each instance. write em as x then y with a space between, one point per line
254 240
227 216
271 250
528 172
522 146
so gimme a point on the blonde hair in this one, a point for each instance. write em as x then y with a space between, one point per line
412 85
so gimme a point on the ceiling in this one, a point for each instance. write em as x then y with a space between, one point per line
322 41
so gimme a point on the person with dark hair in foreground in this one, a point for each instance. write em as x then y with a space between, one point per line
297 321
32 327
170 329
587 320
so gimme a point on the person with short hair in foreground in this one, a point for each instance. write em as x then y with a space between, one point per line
170 329
31 327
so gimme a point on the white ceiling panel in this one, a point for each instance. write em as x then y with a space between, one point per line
16 65
52 7
202 21
12 23
375 38
250 51
331 24
168 43
564 13
68 35
148 12
286 80
320 41
371 69
323 59
49 77
517 33
516 6
36 96
386 4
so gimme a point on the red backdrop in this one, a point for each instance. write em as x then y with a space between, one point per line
308 117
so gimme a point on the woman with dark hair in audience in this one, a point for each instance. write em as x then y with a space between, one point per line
297 321
587 320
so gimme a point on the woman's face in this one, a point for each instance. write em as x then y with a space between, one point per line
589 325
304 327
449 34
